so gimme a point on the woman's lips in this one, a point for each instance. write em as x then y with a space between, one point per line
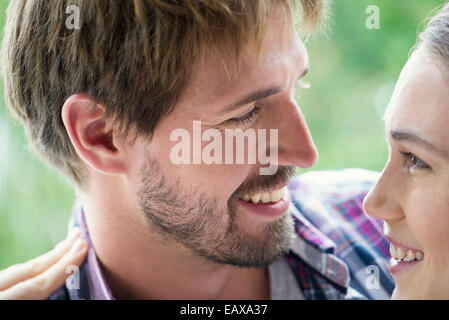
403 257
268 204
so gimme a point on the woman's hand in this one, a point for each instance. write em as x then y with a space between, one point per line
38 278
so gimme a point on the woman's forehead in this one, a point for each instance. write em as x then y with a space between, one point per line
419 101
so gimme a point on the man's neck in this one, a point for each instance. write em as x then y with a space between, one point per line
138 264
252 284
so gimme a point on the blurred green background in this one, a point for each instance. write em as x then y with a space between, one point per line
353 71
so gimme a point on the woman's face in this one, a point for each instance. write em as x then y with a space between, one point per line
412 194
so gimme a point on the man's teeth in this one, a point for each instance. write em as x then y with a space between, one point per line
402 254
265 197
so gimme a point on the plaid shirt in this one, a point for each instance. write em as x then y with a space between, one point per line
339 252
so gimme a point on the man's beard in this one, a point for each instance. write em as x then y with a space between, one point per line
195 220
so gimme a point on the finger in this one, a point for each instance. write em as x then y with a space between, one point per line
23 271
44 284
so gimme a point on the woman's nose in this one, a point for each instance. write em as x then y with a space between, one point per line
383 200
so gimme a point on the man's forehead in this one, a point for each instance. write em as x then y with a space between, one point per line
216 77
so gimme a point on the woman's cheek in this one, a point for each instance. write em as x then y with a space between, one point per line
427 214
428 220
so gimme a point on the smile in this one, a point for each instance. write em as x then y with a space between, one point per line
402 254
265 197
403 257
266 205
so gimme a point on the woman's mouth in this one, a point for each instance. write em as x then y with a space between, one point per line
403 257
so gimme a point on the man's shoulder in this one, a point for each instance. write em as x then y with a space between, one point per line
335 193
334 185
334 199
332 202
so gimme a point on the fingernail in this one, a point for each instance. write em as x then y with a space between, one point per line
74 233
78 246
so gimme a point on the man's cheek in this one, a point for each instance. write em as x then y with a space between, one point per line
222 179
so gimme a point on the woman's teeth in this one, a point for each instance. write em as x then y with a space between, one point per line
402 254
266 197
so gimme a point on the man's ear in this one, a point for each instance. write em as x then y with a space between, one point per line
95 141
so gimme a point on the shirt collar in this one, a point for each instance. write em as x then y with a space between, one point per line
99 289
317 250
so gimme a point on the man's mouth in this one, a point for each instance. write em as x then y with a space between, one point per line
265 197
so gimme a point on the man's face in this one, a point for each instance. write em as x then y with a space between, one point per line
199 206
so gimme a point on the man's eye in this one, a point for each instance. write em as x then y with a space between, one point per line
414 161
247 117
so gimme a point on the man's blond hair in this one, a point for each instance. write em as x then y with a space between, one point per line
133 56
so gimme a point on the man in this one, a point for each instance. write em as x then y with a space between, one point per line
104 103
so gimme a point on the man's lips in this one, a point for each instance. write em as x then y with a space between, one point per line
269 209
270 195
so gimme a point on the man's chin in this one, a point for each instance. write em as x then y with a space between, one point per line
256 245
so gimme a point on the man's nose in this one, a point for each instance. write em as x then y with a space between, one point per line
383 200
296 147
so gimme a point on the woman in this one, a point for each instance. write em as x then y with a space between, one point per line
412 194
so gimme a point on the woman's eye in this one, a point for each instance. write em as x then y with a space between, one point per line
247 117
414 161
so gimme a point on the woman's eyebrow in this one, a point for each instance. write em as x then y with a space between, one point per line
408 136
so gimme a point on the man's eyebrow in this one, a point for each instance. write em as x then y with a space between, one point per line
258 95
414 138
